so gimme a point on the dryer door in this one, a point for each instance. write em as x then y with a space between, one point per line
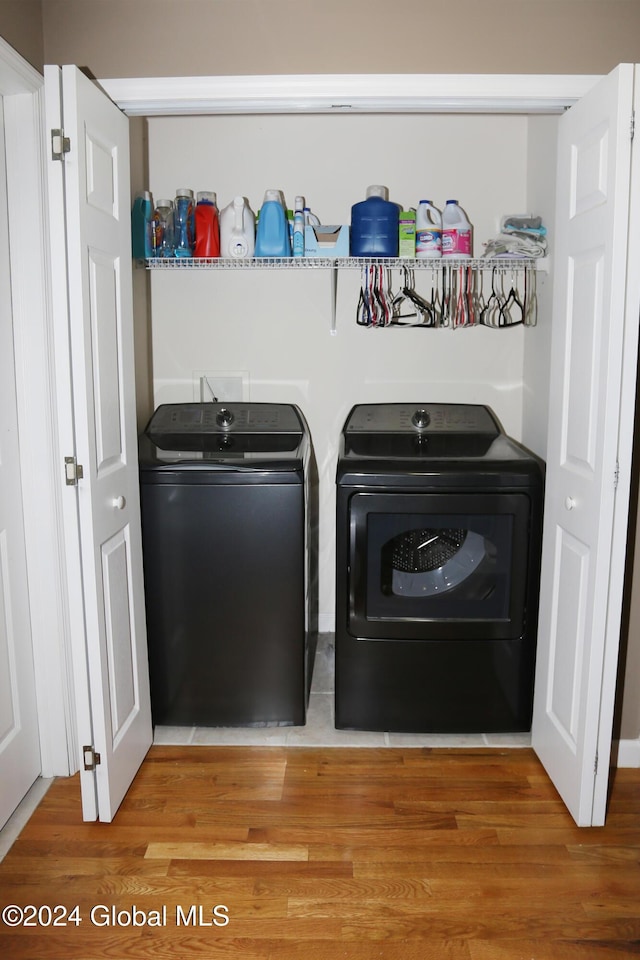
434 566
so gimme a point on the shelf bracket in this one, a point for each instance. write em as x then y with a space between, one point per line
334 297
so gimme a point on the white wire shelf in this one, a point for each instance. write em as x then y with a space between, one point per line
444 270
343 263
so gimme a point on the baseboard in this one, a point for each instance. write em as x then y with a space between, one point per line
628 753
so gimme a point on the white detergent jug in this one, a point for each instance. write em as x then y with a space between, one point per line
237 230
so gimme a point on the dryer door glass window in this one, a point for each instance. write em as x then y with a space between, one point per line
434 566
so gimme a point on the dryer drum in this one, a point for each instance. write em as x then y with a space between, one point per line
429 561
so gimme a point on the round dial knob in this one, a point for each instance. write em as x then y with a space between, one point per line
225 417
421 419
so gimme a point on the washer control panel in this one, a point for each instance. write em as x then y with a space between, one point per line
197 419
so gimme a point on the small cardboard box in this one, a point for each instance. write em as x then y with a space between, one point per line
326 240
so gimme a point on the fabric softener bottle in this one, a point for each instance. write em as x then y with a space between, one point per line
374 225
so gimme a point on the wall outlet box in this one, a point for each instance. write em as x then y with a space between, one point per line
216 386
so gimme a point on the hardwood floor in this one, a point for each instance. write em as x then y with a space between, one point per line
280 853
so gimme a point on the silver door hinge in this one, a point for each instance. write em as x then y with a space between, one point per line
72 471
633 123
59 145
616 475
91 758
595 765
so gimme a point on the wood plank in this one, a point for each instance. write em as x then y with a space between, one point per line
226 851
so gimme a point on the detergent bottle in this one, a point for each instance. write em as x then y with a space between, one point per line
374 225
456 231
142 226
428 231
272 233
237 230
183 222
163 238
207 227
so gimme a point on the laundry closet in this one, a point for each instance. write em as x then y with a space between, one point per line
273 329
290 335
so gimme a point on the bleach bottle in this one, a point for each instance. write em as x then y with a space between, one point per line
374 225
456 231
428 231
237 230
272 233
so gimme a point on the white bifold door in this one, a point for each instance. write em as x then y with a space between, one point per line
91 245
19 737
593 374
595 327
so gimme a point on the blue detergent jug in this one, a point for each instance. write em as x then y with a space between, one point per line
272 233
374 225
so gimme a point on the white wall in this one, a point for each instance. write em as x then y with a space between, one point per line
276 325
541 196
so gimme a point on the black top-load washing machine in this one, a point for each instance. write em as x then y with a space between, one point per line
226 533
439 521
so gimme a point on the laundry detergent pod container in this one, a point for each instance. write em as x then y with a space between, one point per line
272 233
237 230
374 225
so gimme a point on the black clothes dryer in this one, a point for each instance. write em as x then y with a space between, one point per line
225 534
439 523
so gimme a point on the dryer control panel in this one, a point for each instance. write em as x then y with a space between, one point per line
452 418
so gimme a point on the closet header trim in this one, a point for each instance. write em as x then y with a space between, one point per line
349 93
